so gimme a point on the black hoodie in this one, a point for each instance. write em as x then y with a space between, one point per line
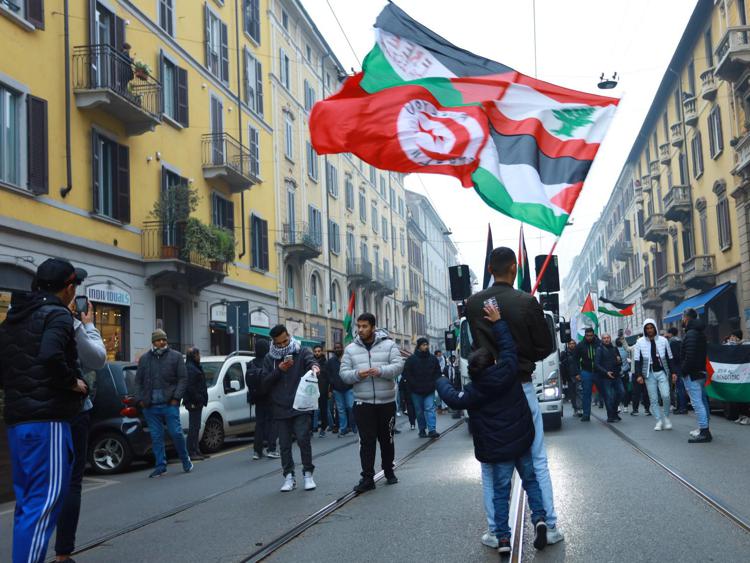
38 360
254 374
693 350
421 370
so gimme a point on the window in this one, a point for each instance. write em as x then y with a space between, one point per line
217 51
373 177
335 299
350 246
259 243
309 96
314 301
290 292
312 162
688 244
691 78
349 192
111 176
709 50
715 136
288 136
284 19
382 187
175 91
253 83
334 237
222 212
393 234
254 145
677 106
291 217
30 10
374 209
403 243
10 136
308 53
362 206
703 224
696 148
166 16
332 180
252 19
683 169
401 207
722 219
284 69
384 229
392 199
314 218
665 126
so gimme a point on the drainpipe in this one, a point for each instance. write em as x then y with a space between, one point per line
68 165
239 120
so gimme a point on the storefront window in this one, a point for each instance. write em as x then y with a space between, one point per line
4 304
112 322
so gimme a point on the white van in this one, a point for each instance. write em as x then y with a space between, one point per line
228 413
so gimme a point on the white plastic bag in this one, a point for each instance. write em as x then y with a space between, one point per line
306 398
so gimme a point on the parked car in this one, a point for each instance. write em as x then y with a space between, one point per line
118 433
228 412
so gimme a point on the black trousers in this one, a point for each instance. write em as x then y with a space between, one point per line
265 428
375 424
194 428
67 523
299 426
640 395
323 408
406 404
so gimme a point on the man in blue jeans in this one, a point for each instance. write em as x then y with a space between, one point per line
160 381
342 392
586 356
421 370
693 367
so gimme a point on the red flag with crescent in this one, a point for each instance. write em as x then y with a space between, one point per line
404 129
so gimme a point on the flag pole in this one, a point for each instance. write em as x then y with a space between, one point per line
544 266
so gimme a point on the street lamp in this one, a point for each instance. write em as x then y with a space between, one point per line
607 83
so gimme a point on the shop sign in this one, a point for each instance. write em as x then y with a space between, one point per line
260 318
105 293
219 313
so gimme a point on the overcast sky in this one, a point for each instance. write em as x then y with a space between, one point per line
577 40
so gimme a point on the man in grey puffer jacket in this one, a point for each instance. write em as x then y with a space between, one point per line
371 364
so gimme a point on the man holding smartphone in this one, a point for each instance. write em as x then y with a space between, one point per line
283 368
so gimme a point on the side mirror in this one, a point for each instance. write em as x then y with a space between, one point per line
234 385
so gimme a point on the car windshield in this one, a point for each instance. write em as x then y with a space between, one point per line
211 369
128 374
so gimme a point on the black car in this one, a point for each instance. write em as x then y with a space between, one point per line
118 433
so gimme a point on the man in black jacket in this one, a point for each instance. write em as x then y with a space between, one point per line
569 369
607 365
342 393
693 366
421 370
43 392
195 398
321 415
265 426
586 354
160 383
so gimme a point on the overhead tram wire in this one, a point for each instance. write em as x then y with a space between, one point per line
341 27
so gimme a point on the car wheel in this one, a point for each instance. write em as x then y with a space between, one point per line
213 434
109 453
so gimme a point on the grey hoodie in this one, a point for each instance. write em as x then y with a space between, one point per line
383 354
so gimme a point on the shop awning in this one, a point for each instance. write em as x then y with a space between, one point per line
260 331
697 302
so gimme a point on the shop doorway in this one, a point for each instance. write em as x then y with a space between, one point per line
169 319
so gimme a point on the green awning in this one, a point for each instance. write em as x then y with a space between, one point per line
309 343
260 331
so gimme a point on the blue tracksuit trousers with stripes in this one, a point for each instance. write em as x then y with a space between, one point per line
42 458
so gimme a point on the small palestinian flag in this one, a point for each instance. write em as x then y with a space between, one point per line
523 275
614 308
728 369
588 311
348 335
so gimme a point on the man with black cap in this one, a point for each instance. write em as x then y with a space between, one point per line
43 392
160 382
421 371
265 426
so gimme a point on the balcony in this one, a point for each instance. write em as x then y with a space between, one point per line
623 250
677 204
383 283
671 287
359 272
676 134
172 261
700 271
226 160
104 79
655 228
650 298
653 169
646 183
709 87
733 53
604 274
411 299
742 156
664 153
301 242
690 111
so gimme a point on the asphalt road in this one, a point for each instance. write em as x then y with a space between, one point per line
614 504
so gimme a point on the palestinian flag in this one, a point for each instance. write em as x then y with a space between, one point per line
542 138
487 281
348 334
614 308
728 370
589 312
523 274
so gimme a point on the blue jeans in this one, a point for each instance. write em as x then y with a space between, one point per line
539 455
502 474
613 392
345 406
156 417
695 390
587 381
657 384
424 405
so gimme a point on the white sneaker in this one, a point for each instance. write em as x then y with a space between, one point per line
695 432
309 483
667 424
289 484
554 535
658 426
489 539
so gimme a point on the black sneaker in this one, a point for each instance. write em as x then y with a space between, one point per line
503 547
585 419
648 412
364 485
433 434
391 479
540 535
702 438
634 413
617 418
611 420
422 434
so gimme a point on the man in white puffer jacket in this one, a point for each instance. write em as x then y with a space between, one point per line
653 356
371 364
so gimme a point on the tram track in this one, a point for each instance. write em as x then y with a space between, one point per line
711 500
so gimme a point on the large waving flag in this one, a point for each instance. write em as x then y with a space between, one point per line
615 308
541 139
728 370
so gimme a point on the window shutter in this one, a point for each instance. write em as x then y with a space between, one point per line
119 34
719 133
245 69
230 216
264 245
182 96
35 13
207 31
224 53
95 156
258 87
122 190
36 113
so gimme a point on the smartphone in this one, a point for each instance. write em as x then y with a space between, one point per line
82 304
491 301
288 358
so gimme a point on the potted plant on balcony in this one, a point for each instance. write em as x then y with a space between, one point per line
199 245
172 210
223 248
141 70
